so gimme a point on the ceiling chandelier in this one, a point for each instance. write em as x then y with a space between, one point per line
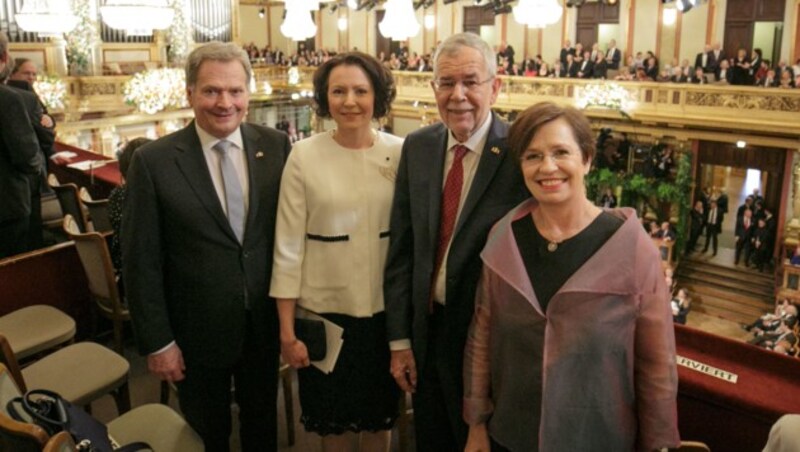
298 25
137 17
399 22
47 17
537 13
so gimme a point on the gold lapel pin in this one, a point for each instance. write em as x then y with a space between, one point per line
259 154
495 150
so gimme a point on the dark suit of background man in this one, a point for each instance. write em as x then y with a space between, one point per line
199 228
19 161
431 273
21 79
713 225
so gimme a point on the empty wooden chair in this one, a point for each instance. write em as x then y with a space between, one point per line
98 211
96 260
35 329
67 195
80 373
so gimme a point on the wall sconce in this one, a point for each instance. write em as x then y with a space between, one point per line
261 13
429 21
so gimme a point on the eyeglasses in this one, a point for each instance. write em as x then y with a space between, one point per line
447 86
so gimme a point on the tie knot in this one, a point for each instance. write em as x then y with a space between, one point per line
459 151
222 146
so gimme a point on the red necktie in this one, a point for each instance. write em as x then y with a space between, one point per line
451 196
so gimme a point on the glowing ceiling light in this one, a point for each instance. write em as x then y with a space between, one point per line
399 22
537 13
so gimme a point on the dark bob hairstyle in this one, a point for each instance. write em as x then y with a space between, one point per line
524 128
379 76
127 153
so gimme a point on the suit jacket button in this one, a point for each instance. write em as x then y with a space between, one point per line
246 254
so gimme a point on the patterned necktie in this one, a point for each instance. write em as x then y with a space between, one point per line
234 198
451 196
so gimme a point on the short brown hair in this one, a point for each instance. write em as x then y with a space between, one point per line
529 121
379 76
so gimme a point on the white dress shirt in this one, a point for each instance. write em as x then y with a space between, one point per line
475 144
237 156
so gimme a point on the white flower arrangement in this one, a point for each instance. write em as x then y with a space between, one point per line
51 90
156 89
604 95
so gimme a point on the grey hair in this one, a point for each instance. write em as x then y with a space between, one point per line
456 42
216 51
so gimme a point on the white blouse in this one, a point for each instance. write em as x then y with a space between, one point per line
332 232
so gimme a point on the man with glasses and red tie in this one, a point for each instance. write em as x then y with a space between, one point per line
455 180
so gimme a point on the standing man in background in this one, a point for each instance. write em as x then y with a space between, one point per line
20 161
455 180
198 234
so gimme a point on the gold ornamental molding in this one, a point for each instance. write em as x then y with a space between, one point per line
770 116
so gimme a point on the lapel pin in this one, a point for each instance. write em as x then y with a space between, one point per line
259 154
495 150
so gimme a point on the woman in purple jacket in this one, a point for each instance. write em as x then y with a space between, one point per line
571 346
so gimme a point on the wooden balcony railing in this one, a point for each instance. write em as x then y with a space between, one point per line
771 111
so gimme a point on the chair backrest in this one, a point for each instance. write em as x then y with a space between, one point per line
67 195
60 442
98 211
14 435
96 261
693 446
10 364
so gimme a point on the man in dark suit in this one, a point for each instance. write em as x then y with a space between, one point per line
19 161
571 68
566 50
713 225
586 66
613 55
715 57
21 79
745 226
199 228
455 180
702 60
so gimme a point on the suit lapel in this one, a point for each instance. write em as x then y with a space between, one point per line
491 157
192 163
254 151
438 144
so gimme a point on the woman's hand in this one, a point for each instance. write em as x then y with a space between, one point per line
295 353
478 439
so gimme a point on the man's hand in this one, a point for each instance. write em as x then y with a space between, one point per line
404 370
167 365
47 121
478 439
295 353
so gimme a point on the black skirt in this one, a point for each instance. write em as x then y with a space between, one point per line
360 394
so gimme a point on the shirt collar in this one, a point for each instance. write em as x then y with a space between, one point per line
207 141
477 140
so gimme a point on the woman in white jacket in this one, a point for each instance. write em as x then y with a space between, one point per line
331 242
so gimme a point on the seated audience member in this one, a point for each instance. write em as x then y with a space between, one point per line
116 201
795 259
786 81
723 74
544 70
654 229
681 304
761 72
625 74
557 71
784 332
600 67
651 68
699 77
678 76
665 232
769 80
531 70
664 76
586 66
608 200
641 75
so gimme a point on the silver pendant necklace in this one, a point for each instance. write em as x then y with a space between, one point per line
552 246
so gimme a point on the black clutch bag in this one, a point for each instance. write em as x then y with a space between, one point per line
312 333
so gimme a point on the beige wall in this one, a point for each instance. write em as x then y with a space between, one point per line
251 27
693 32
645 26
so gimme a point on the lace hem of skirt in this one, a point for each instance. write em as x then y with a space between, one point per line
323 428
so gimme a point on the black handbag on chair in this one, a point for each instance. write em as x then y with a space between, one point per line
54 414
